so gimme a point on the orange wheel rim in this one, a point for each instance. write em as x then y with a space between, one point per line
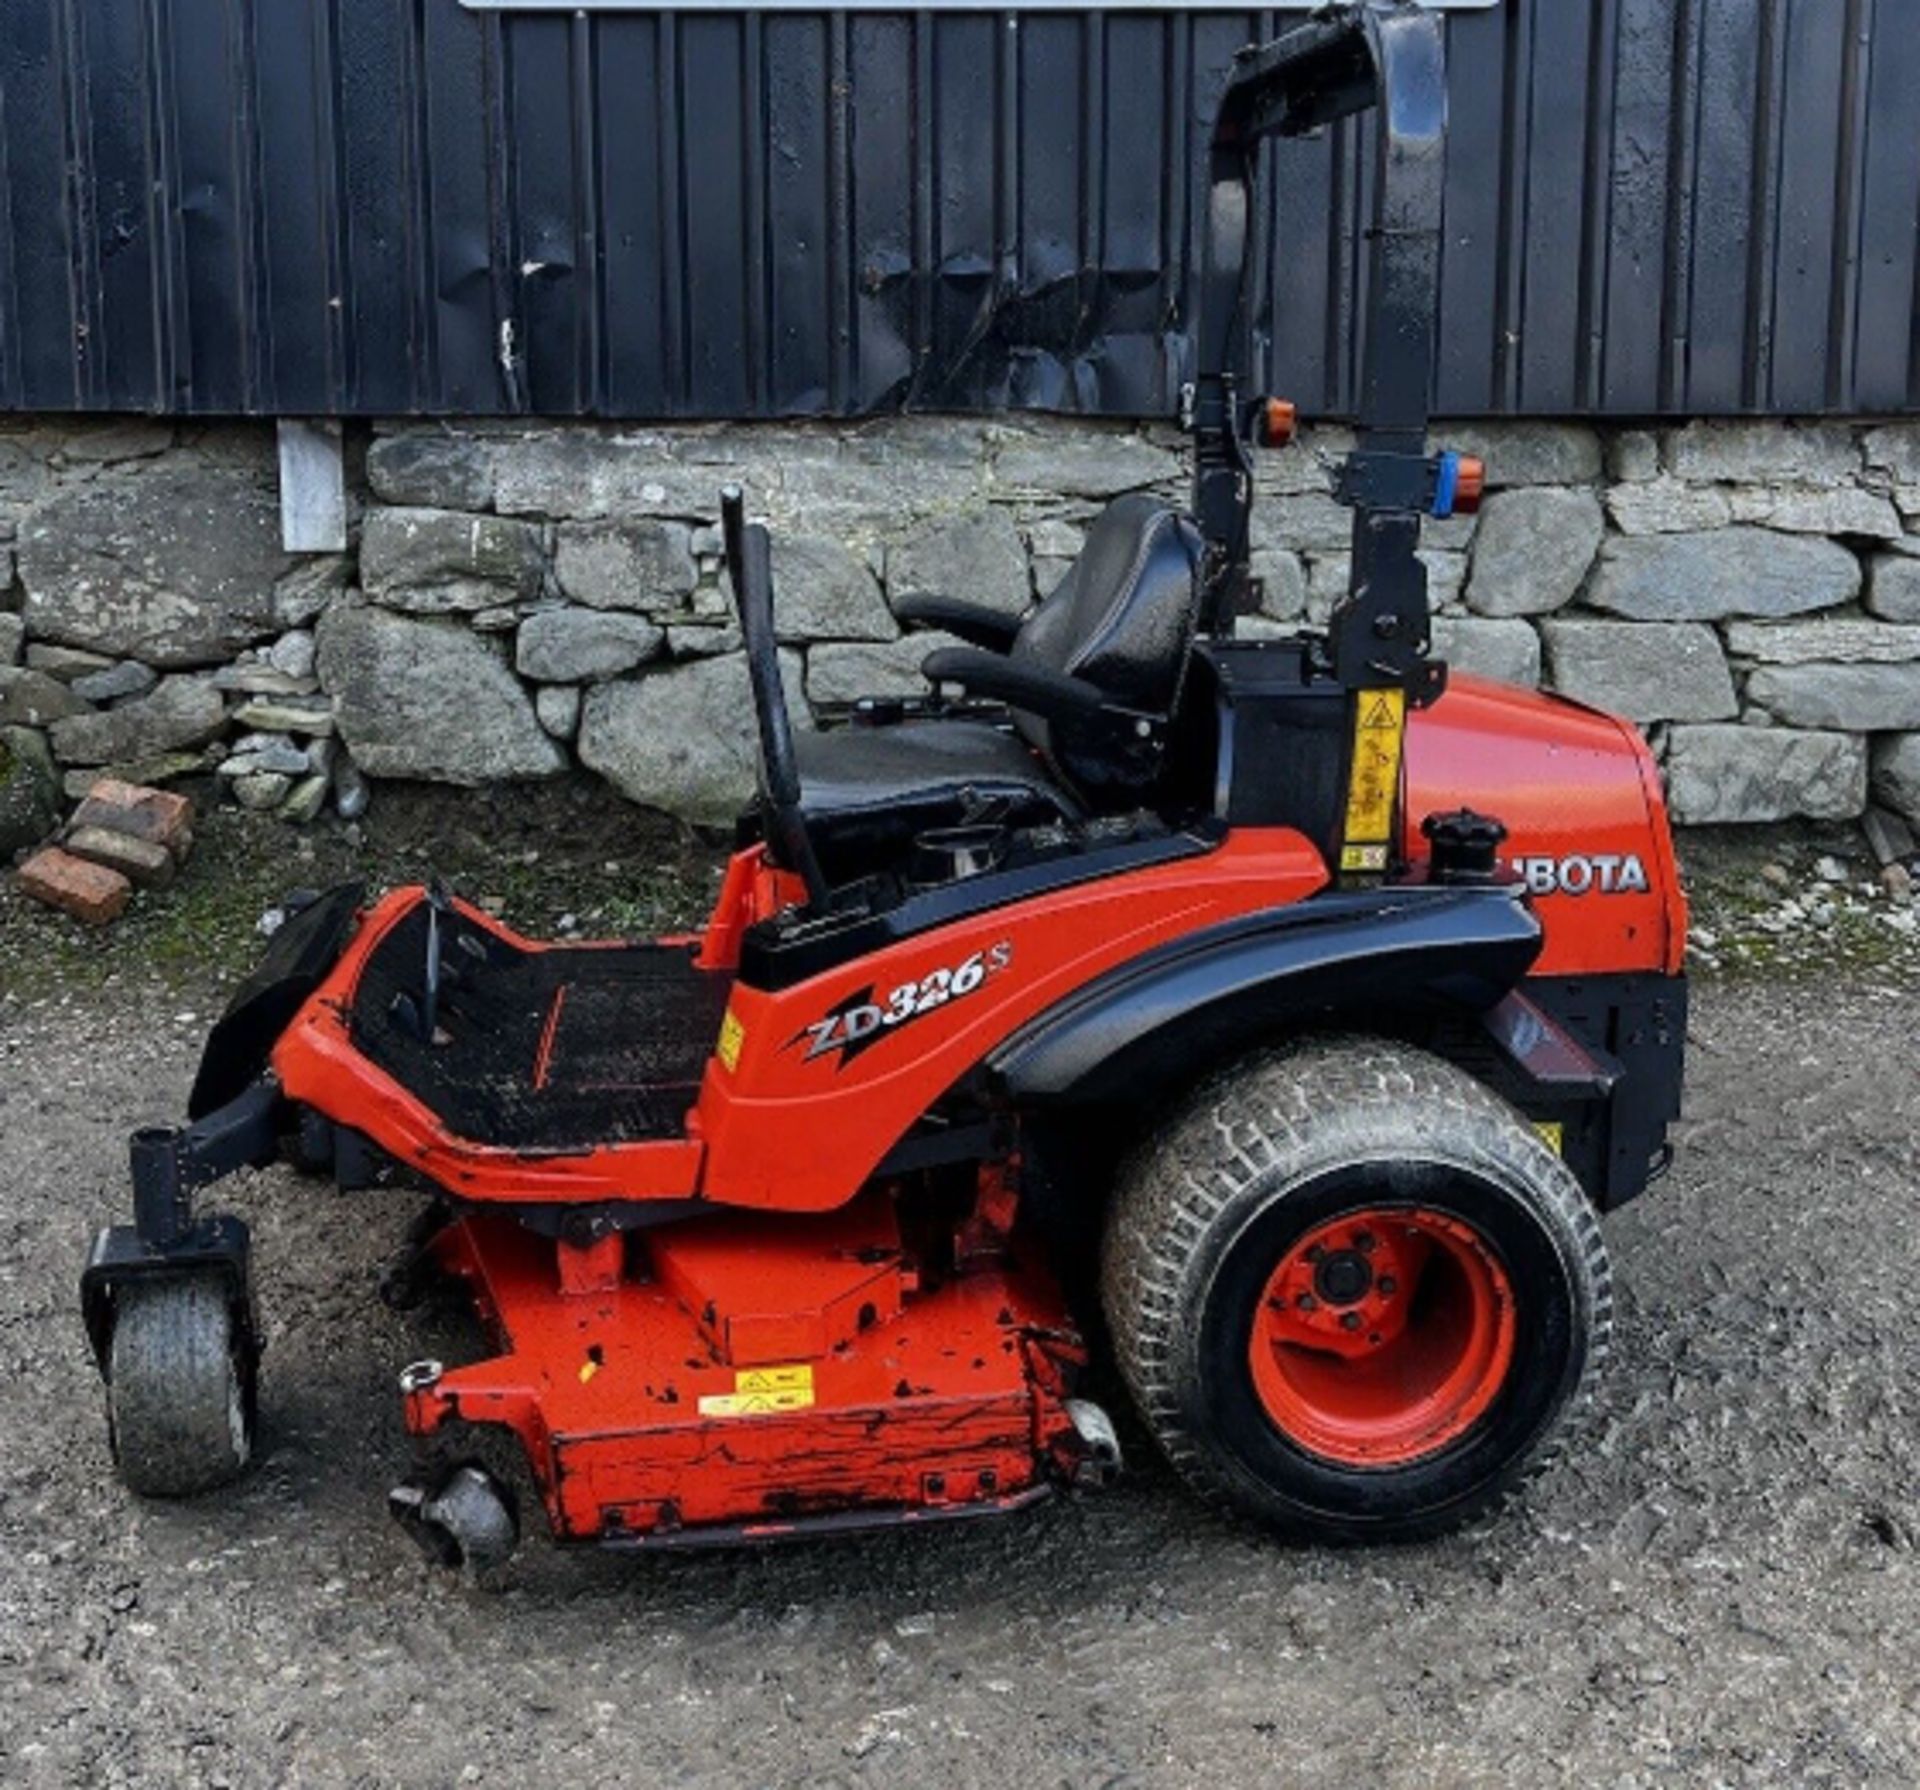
1383 1336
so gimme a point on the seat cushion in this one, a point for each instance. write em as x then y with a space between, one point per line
919 766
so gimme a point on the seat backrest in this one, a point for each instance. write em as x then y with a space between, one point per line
1122 618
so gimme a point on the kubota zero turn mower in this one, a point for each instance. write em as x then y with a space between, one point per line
1324 1001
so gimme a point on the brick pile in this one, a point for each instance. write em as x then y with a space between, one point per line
123 836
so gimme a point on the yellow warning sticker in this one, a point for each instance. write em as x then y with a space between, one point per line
1379 726
758 1391
1553 1134
1363 857
732 1035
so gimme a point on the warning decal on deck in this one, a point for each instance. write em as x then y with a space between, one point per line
1379 726
760 1390
732 1035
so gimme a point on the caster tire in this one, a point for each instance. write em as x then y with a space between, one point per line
469 1523
1353 1293
180 1406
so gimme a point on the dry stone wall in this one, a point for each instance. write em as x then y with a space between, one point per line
521 599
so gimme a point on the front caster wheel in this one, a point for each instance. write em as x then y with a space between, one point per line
180 1405
468 1520
1354 1294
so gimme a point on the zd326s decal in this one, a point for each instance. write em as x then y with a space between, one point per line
864 1018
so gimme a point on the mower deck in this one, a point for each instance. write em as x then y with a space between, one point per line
554 1048
745 1379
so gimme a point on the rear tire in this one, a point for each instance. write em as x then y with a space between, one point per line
179 1394
1284 1371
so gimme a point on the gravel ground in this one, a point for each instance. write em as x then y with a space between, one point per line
1719 1587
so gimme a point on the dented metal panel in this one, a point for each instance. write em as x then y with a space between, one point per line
339 207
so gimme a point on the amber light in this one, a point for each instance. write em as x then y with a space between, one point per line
1279 418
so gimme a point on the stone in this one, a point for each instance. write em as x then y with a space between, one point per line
1720 773
1896 775
975 554
29 791
1507 649
822 591
145 865
558 709
286 760
1283 584
261 790
1533 551
251 678
1633 456
179 711
1724 572
681 737
305 800
1893 587
160 767
502 619
433 469
13 634
584 646
839 674
1667 506
1894 449
1889 838
641 564
702 640
1092 462
1646 671
1852 698
321 752
1529 453
65 662
1833 641
441 562
313 716
102 441
128 678
351 792
174 564
1843 510
428 699
1309 522
1307 463
570 471
292 654
1763 453
30 698
303 593
89 892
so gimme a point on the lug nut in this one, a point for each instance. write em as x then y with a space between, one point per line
1363 1241
1388 1286
1307 1302
1349 1320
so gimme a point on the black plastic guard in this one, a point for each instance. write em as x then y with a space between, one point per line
292 967
1403 950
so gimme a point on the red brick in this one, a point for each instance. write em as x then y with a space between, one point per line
89 892
149 865
156 815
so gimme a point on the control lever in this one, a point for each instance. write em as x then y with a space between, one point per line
420 1017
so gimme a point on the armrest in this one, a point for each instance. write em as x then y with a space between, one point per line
975 623
1021 685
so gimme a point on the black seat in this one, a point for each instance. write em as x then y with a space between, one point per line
1111 640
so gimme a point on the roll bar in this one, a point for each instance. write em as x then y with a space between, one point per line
1387 54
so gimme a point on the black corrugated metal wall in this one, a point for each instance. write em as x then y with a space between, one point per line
385 206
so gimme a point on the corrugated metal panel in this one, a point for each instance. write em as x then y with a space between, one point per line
386 206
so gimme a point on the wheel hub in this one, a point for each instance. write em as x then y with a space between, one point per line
1382 1337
